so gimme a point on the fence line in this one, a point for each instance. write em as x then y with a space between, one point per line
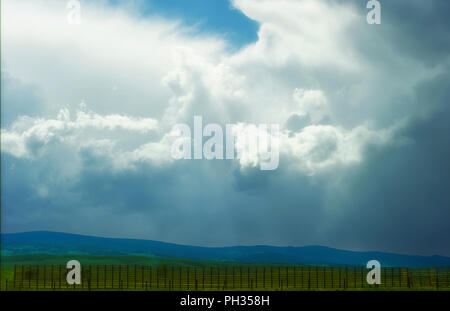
138 277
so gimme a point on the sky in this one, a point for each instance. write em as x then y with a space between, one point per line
88 112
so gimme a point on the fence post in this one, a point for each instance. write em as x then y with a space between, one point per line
347 277
295 283
150 276
218 278
287 276
135 276
448 277
45 276
437 278
211 278
408 281
142 276
14 276
52 277
21 277
362 277
59 276
309 278
332 277
279 277
97 267
157 277
225 277
112 274
37 277
392 277
430 273
127 276
317 277
217 285
264 277
166 278
203 277
271 277
240 277
301 274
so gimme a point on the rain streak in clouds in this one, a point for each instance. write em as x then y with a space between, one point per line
88 111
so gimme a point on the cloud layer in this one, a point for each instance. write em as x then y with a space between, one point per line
364 125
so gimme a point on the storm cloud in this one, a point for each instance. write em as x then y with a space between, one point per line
87 113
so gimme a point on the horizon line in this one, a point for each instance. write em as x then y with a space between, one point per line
219 247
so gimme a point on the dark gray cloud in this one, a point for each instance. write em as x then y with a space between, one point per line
18 99
399 199
395 199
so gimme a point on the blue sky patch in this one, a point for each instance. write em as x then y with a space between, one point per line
217 17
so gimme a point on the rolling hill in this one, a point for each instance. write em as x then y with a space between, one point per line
55 243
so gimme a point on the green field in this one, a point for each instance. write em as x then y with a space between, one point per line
48 272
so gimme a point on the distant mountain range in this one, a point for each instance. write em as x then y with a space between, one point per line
44 242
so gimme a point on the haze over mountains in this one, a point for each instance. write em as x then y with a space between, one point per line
44 242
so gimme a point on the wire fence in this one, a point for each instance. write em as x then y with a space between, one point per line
138 277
